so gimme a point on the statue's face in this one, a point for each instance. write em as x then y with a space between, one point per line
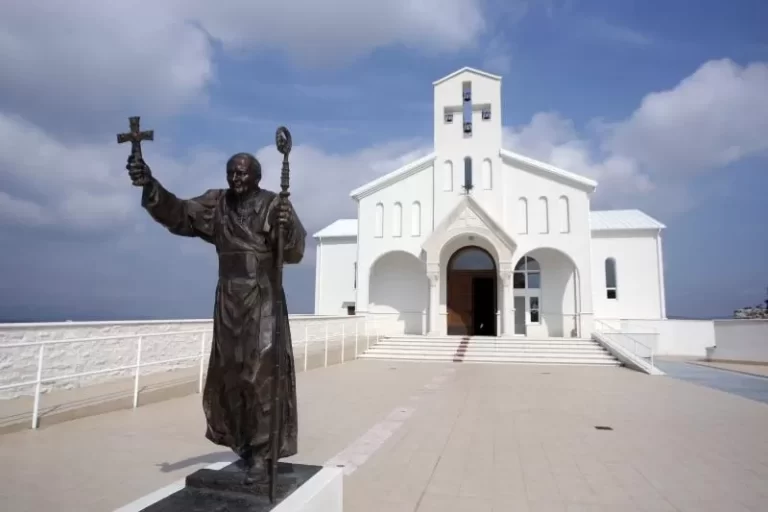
241 175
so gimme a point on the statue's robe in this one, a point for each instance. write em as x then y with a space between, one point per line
238 388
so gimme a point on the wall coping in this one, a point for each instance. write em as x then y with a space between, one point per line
742 321
26 325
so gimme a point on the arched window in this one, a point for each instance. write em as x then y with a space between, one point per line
527 274
397 220
472 258
416 219
611 288
565 215
447 176
543 215
527 277
487 174
522 216
378 229
467 174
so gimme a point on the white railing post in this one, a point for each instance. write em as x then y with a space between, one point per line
325 364
343 341
137 372
202 362
38 386
356 323
306 346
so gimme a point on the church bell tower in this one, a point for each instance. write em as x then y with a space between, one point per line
467 113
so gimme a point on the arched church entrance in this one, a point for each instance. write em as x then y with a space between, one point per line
471 292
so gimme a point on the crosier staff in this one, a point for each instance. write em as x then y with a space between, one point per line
284 144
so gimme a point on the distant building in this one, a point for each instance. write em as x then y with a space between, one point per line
474 239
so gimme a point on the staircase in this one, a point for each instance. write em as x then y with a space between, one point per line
508 350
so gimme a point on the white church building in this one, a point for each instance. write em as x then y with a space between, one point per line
475 239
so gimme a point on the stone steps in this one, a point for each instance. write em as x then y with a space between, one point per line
509 350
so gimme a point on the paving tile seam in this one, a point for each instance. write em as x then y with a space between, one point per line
448 437
360 450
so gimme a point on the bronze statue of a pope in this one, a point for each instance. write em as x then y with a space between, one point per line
243 223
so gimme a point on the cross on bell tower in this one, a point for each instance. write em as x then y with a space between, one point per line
468 109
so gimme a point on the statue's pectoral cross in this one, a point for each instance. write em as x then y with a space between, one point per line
135 136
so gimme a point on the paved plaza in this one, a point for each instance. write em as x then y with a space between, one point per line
438 437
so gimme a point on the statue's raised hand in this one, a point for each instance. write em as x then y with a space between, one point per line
139 172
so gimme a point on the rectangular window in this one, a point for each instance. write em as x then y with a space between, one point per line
611 286
351 310
355 276
467 174
533 310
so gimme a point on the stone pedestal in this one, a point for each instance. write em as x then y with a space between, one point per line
300 488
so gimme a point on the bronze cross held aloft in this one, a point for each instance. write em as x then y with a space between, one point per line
135 136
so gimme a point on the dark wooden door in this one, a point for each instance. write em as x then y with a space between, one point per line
459 303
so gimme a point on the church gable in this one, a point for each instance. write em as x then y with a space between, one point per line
466 72
469 217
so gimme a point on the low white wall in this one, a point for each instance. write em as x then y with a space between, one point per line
740 340
668 337
19 364
677 337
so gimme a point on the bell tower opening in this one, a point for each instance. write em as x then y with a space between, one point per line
471 293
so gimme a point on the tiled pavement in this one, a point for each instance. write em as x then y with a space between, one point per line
438 437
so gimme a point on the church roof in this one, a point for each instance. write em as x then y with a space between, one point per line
340 228
602 220
462 70
546 168
615 220
393 177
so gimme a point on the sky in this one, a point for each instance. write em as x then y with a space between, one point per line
664 103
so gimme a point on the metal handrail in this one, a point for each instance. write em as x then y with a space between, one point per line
371 328
99 338
636 342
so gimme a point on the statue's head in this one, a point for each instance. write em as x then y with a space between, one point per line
243 173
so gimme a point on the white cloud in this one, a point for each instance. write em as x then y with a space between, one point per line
319 32
96 55
551 138
92 55
713 118
85 187
48 183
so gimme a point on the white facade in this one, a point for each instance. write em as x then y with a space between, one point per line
548 250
